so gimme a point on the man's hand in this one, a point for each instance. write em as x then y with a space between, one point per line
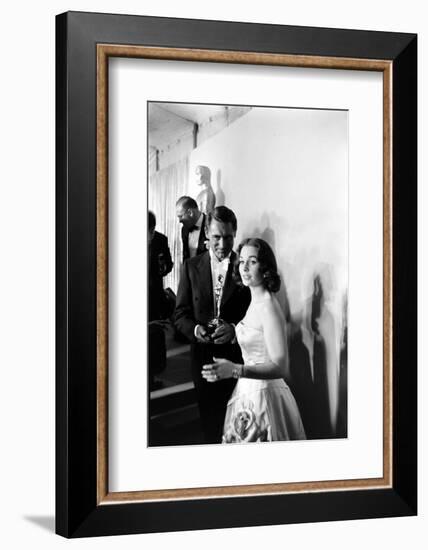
201 335
223 334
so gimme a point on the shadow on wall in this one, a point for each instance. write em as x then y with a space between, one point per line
219 193
318 365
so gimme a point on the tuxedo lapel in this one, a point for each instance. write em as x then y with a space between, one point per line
229 285
205 279
202 237
185 242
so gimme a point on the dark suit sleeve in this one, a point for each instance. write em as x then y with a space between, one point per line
167 256
184 319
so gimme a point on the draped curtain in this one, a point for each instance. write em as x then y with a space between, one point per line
152 160
165 187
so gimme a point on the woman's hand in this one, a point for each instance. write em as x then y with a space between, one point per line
219 370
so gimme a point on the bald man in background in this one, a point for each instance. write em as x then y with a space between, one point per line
193 227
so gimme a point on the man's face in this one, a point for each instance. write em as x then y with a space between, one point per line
184 216
221 237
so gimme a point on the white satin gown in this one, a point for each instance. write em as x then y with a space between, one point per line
260 410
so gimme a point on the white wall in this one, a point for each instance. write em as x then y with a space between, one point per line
27 275
284 172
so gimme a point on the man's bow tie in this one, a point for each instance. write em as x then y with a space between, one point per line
193 228
223 263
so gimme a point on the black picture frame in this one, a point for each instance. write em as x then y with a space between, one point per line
78 510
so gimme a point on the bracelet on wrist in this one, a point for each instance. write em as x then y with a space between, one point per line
238 371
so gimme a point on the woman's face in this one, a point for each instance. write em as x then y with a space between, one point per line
249 266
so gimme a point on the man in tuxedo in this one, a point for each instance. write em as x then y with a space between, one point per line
200 279
160 264
193 231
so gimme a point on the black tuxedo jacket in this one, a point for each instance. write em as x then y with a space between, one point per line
195 305
201 242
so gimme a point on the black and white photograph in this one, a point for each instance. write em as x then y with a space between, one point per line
247 273
213 246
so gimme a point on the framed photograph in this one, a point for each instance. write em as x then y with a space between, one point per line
236 274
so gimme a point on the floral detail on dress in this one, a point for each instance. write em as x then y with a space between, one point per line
245 426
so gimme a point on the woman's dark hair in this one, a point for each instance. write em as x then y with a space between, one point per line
267 261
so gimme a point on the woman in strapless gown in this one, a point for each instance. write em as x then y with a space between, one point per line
262 407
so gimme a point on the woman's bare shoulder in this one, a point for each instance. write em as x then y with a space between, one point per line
270 309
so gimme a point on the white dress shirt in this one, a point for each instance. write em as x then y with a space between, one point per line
217 268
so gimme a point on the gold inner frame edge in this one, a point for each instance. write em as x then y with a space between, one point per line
104 51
